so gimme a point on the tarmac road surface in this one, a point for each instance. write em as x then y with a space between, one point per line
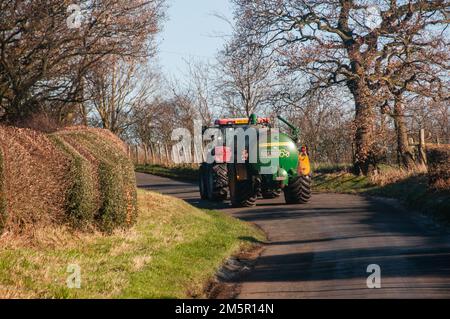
322 249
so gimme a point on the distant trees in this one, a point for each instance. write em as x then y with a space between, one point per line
418 67
200 90
47 48
246 79
116 92
325 122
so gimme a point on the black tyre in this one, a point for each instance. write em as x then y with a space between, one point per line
271 193
298 191
216 182
202 183
242 193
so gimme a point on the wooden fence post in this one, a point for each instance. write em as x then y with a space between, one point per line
137 154
187 155
168 159
422 145
158 157
152 153
145 154
177 154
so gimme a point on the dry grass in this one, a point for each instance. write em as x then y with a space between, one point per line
391 175
3 201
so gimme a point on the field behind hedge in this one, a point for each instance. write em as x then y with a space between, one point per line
80 177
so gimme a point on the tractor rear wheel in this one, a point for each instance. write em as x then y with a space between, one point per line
299 190
242 193
216 182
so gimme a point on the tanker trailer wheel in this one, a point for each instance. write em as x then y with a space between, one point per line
299 190
271 193
242 193
216 182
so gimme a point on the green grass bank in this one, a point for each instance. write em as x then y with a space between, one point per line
172 251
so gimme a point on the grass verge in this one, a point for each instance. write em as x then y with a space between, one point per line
171 252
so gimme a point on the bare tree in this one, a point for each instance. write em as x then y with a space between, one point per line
418 66
116 91
246 79
42 60
200 89
325 122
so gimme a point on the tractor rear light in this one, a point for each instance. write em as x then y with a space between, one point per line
222 154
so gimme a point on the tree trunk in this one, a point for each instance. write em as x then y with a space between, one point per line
364 160
83 112
404 151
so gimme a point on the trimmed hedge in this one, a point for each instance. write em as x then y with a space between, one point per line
34 174
81 199
3 203
438 158
78 176
117 184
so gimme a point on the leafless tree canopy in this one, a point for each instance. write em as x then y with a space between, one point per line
43 61
247 82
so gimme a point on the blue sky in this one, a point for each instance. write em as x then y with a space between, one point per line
192 32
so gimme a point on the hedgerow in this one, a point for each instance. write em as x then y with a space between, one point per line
118 206
81 197
78 176
34 173
3 202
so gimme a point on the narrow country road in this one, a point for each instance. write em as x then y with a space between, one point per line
322 249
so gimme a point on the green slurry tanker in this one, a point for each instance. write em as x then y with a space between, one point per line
251 159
